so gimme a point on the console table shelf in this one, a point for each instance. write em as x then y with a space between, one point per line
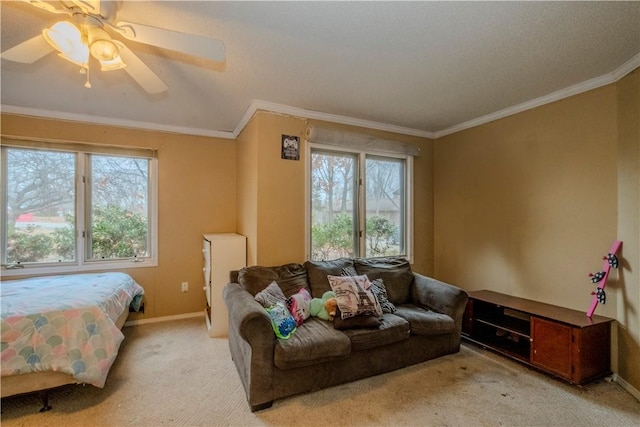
560 341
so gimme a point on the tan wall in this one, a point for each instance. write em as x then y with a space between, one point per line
423 210
197 194
628 91
247 188
270 192
527 205
281 193
279 218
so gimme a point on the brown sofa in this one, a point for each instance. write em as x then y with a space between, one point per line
427 324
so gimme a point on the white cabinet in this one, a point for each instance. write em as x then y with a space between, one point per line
223 253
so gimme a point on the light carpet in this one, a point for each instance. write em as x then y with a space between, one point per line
173 374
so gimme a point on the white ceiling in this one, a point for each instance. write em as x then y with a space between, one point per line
422 68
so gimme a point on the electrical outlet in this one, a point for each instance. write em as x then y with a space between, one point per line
185 286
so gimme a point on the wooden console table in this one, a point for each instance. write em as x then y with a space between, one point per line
560 341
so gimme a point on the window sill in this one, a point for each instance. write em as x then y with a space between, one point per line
34 270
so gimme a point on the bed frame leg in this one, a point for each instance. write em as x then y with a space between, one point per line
44 395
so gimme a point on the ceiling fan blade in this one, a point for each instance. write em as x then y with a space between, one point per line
29 51
90 6
142 74
200 46
42 5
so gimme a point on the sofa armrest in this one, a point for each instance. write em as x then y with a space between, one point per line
249 319
251 343
440 297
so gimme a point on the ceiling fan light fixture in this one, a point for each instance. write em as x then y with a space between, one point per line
66 39
114 64
104 50
79 57
63 36
101 46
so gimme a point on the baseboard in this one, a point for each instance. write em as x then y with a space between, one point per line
164 319
628 387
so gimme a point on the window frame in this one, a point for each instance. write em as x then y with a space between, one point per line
82 263
360 218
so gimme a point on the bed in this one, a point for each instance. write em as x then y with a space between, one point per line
59 330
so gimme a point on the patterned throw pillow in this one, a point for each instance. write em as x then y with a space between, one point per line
354 296
298 305
282 321
378 289
349 271
270 295
380 292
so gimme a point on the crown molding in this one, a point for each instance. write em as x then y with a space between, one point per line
132 124
255 106
576 89
627 67
272 107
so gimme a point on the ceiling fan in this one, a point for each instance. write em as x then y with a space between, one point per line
82 36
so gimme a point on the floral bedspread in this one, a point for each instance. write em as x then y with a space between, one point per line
65 323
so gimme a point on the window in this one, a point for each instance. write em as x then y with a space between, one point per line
359 204
69 207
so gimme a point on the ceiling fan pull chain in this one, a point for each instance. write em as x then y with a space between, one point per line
88 83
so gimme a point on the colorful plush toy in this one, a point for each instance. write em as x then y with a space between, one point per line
324 307
331 307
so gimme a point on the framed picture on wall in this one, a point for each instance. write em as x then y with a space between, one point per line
290 147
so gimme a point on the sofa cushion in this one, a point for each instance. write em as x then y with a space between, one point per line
290 278
392 329
394 271
425 322
315 341
319 270
358 322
